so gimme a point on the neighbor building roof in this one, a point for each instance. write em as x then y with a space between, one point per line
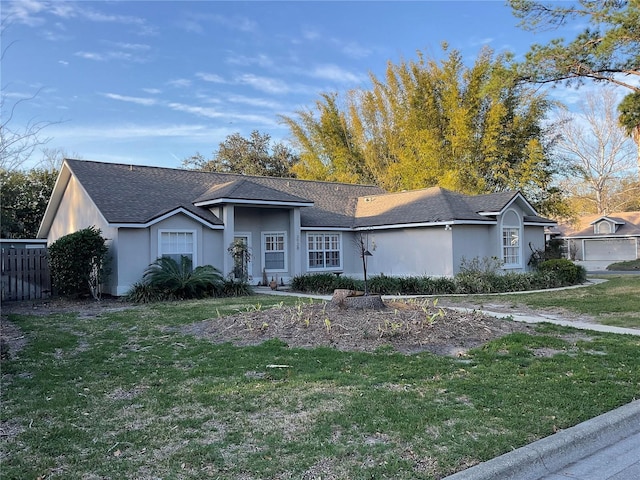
628 225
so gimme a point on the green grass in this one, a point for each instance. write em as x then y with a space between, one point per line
126 395
615 302
625 266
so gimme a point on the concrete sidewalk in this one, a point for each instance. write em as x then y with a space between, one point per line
603 448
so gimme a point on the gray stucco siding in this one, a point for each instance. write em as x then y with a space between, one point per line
533 238
410 252
471 241
133 256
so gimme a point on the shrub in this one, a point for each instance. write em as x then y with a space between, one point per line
231 288
567 272
383 285
439 286
315 283
178 280
141 292
77 263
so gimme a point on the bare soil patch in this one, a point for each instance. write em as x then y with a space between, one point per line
409 326
405 326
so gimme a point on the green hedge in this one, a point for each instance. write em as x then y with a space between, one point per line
77 263
551 274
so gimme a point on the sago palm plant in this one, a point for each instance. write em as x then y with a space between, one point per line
180 280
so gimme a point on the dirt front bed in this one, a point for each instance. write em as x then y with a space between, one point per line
406 326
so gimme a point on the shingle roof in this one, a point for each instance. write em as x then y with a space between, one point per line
139 194
248 190
584 225
417 206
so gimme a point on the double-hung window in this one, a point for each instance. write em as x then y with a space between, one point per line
177 244
511 241
324 251
274 248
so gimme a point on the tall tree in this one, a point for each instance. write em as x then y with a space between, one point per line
328 150
23 198
430 123
606 49
607 45
629 119
596 153
255 155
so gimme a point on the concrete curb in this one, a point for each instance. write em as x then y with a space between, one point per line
555 452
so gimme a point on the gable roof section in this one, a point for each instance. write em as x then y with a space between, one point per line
249 192
136 195
617 221
629 225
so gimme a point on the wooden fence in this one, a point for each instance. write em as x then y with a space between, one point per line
25 274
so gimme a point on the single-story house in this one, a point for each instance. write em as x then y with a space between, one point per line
602 239
291 226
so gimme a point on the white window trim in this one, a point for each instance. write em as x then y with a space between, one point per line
285 250
518 227
325 268
194 262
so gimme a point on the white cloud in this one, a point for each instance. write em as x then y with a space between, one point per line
210 77
147 102
194 24
336 74
179 83
255 102
260 60
196 110
110 55
264 84
35 12
355 50
152 91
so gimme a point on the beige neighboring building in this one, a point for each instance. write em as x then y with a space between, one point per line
599 240
292 227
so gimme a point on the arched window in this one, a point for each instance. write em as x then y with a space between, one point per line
603 227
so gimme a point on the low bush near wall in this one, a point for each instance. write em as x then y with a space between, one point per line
166 279
568 272
553 274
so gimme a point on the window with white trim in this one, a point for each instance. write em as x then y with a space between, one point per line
177 244
511 239
511 246
324 251
274 251
603 227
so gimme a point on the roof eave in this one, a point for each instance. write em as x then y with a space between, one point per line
164 216
243 201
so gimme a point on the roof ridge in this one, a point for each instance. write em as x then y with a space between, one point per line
230 174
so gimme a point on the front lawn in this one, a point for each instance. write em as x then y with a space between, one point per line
615 302
131 394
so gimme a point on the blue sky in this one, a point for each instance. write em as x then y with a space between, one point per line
154 82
